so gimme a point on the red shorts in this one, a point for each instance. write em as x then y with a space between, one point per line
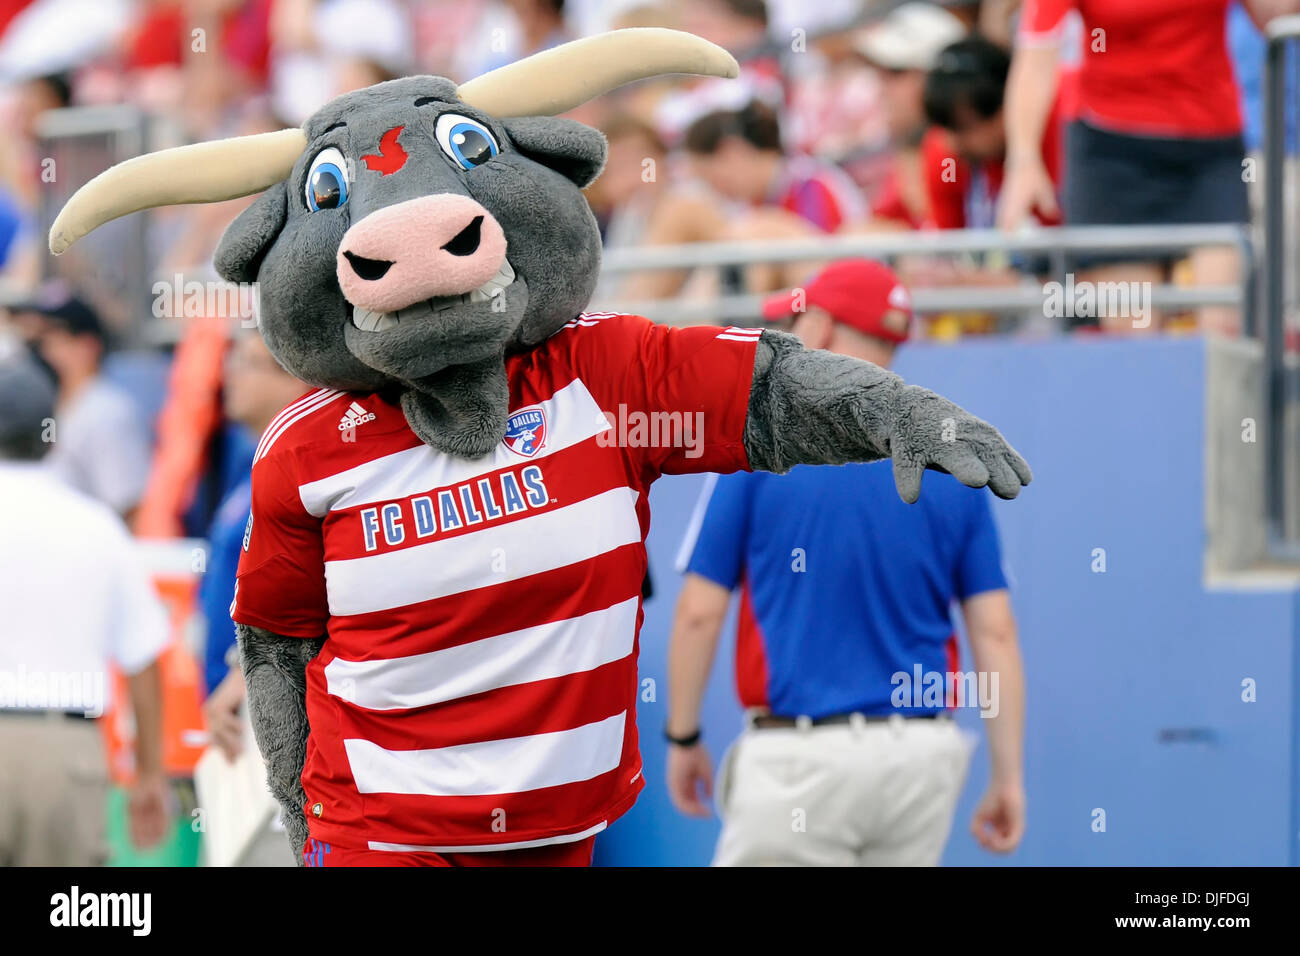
577 853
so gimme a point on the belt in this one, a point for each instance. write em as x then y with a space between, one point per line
773 722
43 712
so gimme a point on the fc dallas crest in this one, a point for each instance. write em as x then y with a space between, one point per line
526 431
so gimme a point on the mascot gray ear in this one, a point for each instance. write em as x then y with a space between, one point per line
564 145
246 240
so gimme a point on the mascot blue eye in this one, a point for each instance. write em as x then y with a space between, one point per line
468 142
327 180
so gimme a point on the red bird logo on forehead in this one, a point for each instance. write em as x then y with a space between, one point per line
391 156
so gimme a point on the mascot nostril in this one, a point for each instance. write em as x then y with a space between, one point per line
465 242
433 256
451 521
368 269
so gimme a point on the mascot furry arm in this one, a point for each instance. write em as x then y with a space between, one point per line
419 247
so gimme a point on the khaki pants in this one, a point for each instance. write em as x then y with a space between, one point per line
878 793
53 791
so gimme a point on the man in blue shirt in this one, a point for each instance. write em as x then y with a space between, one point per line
846 658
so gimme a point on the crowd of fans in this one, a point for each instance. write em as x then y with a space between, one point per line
849 117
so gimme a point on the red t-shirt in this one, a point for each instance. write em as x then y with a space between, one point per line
889 203
478 685
963 197
1149 67
162 35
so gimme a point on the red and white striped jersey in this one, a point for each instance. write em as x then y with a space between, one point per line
478 684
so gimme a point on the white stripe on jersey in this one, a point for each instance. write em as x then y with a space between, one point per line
542 652
590 318
321 399
734 334
509 765
285 413
541 542
572 416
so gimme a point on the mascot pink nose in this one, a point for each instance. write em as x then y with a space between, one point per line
415 250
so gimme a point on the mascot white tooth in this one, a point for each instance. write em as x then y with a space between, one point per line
439 599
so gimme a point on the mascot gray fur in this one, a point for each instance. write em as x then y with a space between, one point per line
359 293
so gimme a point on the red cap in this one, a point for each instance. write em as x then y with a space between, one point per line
858 292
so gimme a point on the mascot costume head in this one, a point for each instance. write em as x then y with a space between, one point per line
424 250
413 232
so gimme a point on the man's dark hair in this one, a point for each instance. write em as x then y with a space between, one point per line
629 124
59 84
755 10
27 445
61 308
27 396
756 124
968 77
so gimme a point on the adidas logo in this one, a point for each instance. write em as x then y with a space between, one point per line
354 416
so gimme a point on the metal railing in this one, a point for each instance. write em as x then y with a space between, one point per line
1055 245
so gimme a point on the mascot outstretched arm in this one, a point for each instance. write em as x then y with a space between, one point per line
439 598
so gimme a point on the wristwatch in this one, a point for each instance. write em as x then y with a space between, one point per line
690 740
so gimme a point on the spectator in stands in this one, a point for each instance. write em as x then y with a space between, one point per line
903 48
736 25
647 196
1158 138
541 24
845 588
537 25
163 69
960 162
995 19
255 390
964 161
102 439
73 599
739 155
14 229
741 27
310 38
38 95
832 107
641 203
20 160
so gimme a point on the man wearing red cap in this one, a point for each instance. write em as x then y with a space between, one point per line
855 295
846 657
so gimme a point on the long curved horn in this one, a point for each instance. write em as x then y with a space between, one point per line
568 75
203 172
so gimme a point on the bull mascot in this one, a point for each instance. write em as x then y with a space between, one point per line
438 627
